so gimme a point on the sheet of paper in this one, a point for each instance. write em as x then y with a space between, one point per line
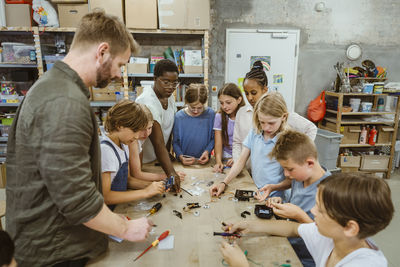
167 243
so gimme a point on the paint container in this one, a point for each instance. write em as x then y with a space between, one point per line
381 104
355 104
368 88
378 88
366 107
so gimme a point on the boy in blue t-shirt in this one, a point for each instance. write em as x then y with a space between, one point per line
297 154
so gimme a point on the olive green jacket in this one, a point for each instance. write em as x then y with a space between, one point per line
54 172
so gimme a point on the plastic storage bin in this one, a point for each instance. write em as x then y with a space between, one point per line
18 53
14 88
4 129
328 144
51 59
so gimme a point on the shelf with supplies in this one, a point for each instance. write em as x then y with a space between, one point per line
360 113
368 123
355 121
15 65
152 42
176 45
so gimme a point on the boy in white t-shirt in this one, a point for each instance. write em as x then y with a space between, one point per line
125 124
349 208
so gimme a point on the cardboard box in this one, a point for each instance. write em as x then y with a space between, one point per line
350 161
193 69
114 7
107 93
69 14
184 14
384 134
18 15
137 65
351 134
135 68
103 94
193 62
374 162
141 14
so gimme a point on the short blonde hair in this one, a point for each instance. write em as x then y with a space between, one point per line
127 114
196 92
271 104
98 27
294 145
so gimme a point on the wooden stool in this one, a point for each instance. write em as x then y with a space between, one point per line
2 211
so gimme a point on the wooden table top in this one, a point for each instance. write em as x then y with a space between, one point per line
194 243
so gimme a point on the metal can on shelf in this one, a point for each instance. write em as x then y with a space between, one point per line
378 87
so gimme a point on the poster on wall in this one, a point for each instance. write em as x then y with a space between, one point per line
240 84
277 78
266 61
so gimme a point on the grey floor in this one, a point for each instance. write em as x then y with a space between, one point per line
388 240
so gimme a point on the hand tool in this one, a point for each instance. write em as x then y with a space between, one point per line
186 191
154 209
155 243
227 234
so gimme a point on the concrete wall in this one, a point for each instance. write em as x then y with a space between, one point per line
375 25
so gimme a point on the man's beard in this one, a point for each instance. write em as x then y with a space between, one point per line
103 75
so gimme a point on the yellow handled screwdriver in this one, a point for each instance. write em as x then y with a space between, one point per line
154 209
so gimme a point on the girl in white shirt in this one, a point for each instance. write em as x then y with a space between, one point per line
255 84
125 124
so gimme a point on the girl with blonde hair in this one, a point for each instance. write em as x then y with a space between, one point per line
269 120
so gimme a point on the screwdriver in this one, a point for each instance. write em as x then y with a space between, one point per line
155 243
154 209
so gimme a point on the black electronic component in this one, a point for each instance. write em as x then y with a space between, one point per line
243 195
169 182
263 212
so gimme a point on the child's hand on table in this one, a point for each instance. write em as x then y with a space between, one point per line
217 189
242 227
273 200
263 192
233 255
229 163
287 210
155 188
218 167
204 158
186 160
182 175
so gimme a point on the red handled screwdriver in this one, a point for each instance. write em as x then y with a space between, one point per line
155 243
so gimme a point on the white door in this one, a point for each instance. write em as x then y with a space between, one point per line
278 48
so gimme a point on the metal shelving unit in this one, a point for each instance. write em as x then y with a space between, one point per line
102 103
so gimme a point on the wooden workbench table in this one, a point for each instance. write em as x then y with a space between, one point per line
194 243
